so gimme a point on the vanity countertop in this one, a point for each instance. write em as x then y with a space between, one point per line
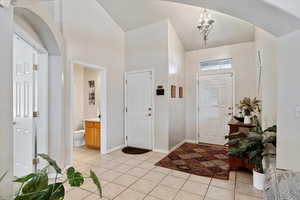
92 120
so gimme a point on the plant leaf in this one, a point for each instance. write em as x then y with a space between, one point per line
25 178
36 183
58 191
51 162
2 177
75 178
96 182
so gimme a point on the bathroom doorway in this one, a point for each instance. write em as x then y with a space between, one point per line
88 109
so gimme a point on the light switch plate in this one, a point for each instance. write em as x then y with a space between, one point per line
298 111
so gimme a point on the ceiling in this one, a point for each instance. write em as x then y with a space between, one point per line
131 14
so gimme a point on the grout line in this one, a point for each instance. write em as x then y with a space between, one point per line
235 180
207 188
181 187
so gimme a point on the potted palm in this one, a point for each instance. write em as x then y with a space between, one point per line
247 106
252 145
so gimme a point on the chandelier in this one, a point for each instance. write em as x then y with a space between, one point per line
205 25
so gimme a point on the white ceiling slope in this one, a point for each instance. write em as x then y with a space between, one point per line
131 14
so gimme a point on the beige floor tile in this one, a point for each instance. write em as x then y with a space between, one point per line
133 162
153 159
99 170
164 192
143 186
179 174
225 184
151 198
123 168
125 180
77 194
245 197
130 195
154 176
244 177
95 197
162 170
232 175
200 179
110 175
146 165
137 172
219 193
111 190
172 181
183 195
90 186
248 189
195 187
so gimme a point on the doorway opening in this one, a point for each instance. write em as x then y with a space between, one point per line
30 104
139 109
88 109
215 99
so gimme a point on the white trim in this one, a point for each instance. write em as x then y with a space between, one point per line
160 151
177 145
103 104
116 148
153 103
211 73
192 141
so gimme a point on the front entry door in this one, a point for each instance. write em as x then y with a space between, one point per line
139 109
23 98
215 102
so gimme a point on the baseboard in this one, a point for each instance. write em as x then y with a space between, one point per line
191 141
160 151
115 149
177 145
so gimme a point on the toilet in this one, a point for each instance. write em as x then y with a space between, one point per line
78 138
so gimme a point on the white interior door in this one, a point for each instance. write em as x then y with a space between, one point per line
139 110
23 97
215 107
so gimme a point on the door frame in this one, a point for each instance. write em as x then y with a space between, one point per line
41 123
152 71
103 104
211 73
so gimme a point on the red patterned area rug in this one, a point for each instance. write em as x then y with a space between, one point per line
199 159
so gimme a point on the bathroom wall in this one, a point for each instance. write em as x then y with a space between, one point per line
82 108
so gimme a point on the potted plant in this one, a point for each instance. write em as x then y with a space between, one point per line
252 145
248 106
36 186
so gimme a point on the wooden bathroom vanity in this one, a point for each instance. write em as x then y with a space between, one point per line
93 133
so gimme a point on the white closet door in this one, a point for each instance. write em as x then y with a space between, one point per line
139 110
215 107
23 97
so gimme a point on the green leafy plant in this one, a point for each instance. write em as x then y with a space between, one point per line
251 145
37 186
248 105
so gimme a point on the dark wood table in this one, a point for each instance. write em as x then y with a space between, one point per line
234 162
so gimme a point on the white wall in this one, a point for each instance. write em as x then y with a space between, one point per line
6 114
78 97
147 48
288 137
267 44
245 76
93 37
176 77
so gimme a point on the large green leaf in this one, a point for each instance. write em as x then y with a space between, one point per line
271 129
96 181
35 184
75 178
58 191
25 178
51 162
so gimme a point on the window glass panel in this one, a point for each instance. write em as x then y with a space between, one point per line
216 64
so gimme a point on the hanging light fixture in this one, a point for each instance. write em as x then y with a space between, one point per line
205 25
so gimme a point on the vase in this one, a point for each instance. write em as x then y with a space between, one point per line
258 180
247 120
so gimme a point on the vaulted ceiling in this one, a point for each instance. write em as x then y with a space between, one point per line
131 14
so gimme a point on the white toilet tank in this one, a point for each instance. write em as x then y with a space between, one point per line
78 138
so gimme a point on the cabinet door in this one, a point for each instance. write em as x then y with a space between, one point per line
97 137
89 136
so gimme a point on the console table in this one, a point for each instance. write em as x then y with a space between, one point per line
234 162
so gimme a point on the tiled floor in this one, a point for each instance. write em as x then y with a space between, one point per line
134 177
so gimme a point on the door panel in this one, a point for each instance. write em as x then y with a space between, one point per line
23 91
139 110
215 103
